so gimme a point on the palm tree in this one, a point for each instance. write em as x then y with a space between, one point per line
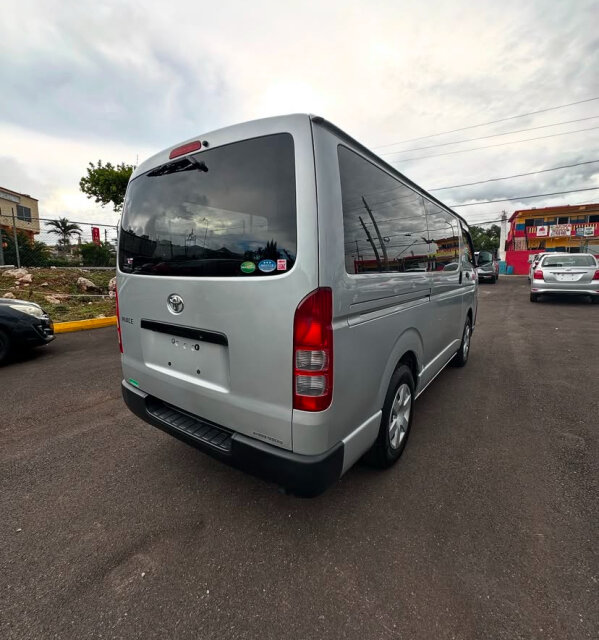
65 229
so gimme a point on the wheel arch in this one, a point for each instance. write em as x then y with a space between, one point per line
409 350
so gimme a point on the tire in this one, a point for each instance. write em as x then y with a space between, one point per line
595 299
4 346
534 297
493 279
461 357
395 425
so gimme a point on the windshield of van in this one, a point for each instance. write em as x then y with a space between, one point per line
228 211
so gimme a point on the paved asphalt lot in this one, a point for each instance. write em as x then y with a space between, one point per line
487 528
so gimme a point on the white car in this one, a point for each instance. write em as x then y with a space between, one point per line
534 261
566 273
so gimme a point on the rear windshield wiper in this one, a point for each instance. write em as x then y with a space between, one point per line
187 164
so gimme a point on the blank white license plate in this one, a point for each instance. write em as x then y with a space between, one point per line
567 277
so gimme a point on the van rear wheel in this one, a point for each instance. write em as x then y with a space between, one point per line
461 357
396 420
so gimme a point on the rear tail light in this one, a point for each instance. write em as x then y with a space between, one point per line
538 275
118 321
596 276
313 351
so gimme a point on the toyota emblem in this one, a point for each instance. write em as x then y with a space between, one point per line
175 303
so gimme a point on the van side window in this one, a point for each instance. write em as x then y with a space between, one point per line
384 224
444 239
467 255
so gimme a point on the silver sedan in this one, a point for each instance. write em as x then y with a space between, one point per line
566 273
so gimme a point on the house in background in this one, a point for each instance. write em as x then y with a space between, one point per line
26 212
574 229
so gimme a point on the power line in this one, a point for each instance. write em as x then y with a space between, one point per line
517 175
483 124
493 135
499 144
538 195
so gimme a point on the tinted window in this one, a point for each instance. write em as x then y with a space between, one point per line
484 257
23 213
228 211
444 239
467 255
569 261
384 225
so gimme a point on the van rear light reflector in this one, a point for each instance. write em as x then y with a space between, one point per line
186 148
538 275
310 385
311 360
313 351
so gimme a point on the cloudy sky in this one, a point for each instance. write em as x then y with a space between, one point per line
119 80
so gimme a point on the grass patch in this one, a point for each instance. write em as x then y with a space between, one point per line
64 282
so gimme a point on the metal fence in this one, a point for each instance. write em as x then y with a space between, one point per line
58 243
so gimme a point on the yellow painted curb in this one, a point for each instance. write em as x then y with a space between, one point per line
83 325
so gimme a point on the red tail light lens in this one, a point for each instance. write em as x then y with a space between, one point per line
186 148
538 275
118 321
596 276
313 351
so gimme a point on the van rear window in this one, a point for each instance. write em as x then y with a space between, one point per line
228 211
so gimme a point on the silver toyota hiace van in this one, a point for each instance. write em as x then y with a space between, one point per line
284 296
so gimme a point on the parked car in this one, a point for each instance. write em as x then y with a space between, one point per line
487 266
533 262
23 324
264 319
566 273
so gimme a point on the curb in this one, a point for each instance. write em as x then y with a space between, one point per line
83 325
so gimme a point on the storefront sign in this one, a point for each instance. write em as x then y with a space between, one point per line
560 230
589 231
542 231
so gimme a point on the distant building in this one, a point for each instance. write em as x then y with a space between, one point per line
27 217
574 229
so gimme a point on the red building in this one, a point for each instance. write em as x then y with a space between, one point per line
574 229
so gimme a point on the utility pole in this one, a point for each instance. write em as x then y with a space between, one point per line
376 253
14 231
503 235
1 248
378 233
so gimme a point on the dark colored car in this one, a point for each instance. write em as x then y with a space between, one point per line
23 324
487 266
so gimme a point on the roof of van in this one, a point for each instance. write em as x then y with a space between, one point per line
162 157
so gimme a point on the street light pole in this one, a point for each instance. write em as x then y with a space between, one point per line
14 231
1 248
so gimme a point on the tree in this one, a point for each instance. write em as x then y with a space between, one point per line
107 183
65 229
32 253
97 255
485 239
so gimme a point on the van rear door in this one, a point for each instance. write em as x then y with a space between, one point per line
216 250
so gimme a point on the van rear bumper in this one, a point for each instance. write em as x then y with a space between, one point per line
305 476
